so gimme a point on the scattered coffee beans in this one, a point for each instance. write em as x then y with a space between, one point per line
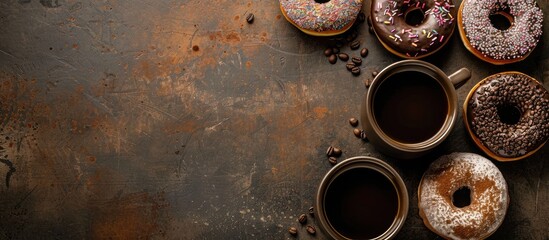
343 56
332 59
355 45
293 231
302 219
356 71
350 66
250 18
335 50
328 52
311 230
364 52
356 60
353 121
312 211
332 160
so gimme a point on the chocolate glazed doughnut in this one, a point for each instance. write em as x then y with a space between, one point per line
413 28
507 115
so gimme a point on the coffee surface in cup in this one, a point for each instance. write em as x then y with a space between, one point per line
361 203
410 106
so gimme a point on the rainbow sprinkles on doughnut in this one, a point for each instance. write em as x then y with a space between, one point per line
413 28
321 17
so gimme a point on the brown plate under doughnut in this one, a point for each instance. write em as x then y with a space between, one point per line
507 115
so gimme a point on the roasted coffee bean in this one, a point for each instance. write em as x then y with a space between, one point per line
353 121
357 132
292 230
374 73
350 66
364 52
355 45
356 60
302 219
312 211
330 151
250 18
351 35
332 59
363 135
343 56
367 83
332 160
328 52
335 50
337 152
311 230
356 71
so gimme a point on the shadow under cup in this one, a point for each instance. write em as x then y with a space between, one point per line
362 198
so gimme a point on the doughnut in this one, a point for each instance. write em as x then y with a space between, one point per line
497 46
321 17
463 196
507 115
413 28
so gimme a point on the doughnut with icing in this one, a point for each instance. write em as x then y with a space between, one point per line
321 18
413 28
497 46
507 115
488 197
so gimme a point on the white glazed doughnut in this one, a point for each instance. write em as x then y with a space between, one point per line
488 197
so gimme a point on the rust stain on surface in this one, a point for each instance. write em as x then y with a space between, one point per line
133 216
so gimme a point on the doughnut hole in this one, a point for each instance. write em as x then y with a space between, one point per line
462 197
509 113
322 1
414 16
501 20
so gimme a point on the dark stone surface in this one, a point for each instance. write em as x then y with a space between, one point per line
117 129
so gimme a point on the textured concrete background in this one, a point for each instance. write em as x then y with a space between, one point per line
111 126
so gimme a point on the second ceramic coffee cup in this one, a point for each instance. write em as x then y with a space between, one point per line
411 107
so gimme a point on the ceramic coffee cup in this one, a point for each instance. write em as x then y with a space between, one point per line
411 107
362 198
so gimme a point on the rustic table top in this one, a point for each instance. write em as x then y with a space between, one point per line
113 126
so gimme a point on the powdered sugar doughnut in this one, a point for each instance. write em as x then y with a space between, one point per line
500 46
488 197
321 17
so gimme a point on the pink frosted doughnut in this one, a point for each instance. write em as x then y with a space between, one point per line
321 17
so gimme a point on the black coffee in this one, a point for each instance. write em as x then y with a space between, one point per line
410 107
361 203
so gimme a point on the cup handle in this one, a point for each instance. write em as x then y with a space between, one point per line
460 77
